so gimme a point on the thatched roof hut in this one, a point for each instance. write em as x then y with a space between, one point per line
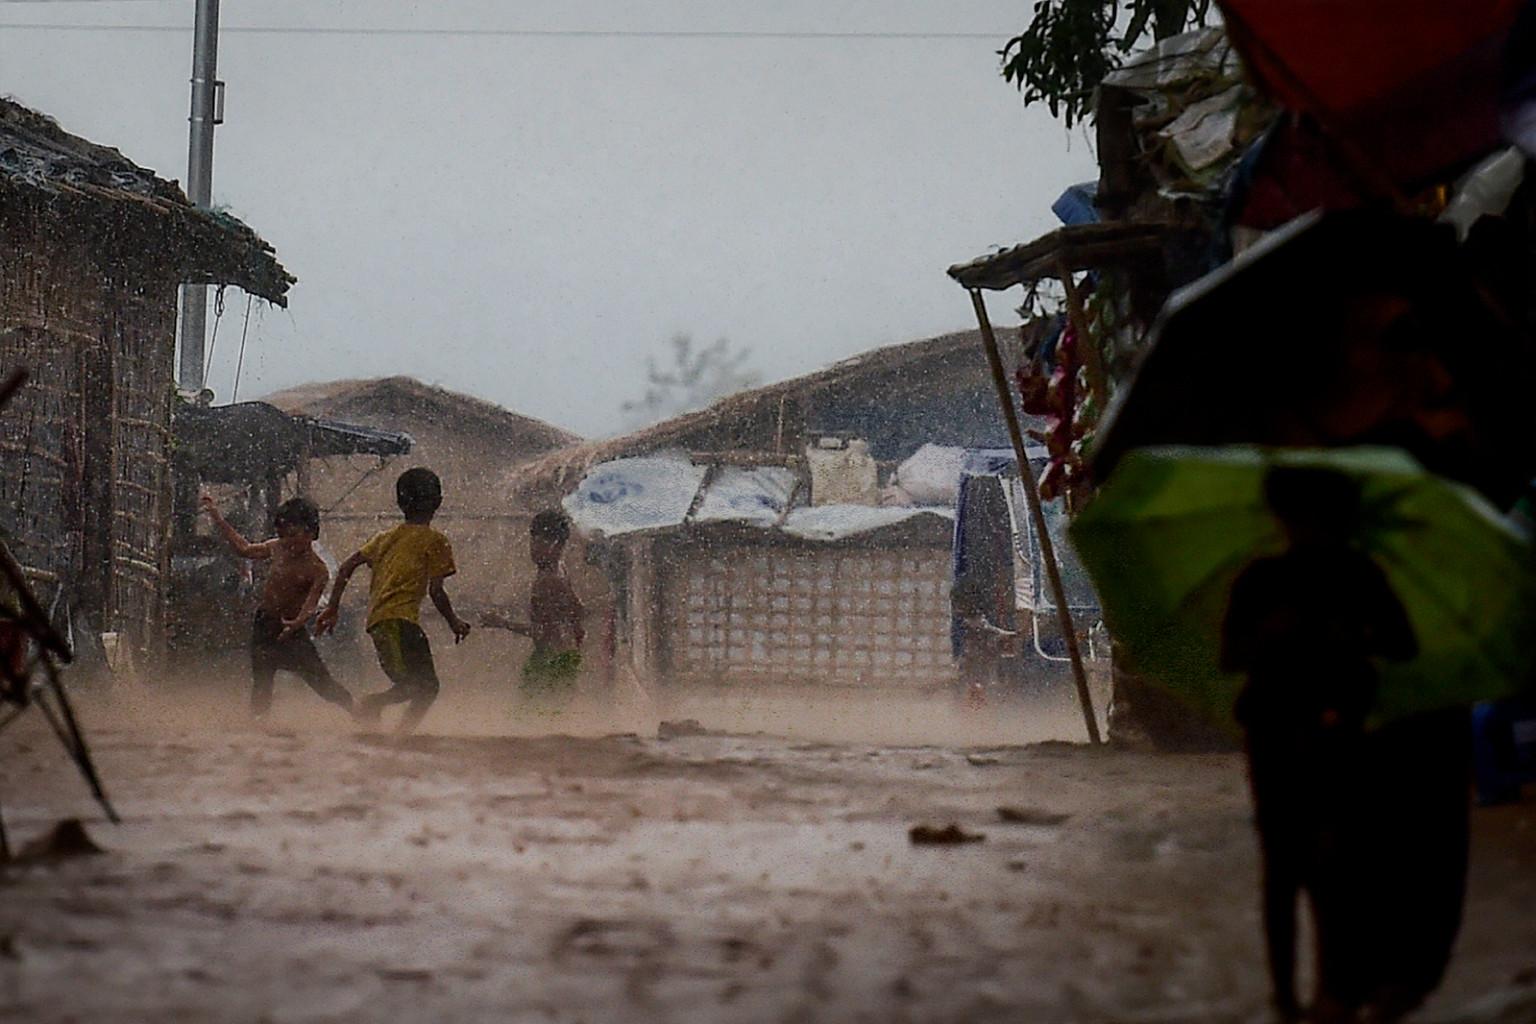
883 395
863 602
92 250
410 403
471 443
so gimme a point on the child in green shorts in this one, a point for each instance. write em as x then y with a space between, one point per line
408 562
554 619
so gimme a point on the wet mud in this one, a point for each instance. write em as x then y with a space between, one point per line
303 871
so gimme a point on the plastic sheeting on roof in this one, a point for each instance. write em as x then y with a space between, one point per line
642 493
1176 61
1075 205
1193 115
835 522
656 492
759 497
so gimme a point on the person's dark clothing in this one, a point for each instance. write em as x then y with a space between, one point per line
405 655
1304 626
1370 824
272 653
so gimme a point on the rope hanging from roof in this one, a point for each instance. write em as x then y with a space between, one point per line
218 314
240 362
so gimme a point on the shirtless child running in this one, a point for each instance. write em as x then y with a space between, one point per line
295 582
554 621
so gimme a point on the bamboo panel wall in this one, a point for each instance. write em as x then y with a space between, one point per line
822 614
84 447
142 339
41 436
40 458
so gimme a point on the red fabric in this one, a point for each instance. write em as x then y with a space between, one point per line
1297 172
13 652
1412 84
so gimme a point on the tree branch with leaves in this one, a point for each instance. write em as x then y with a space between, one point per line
1070 45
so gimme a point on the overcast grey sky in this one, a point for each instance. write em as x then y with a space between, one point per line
526 217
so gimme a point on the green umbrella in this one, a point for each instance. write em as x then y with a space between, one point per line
1171 529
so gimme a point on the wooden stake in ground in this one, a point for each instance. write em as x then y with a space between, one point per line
1036 514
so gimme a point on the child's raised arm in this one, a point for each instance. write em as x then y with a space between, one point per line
237 543
327 620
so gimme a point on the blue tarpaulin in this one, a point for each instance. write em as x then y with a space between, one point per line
1000 462
1076 205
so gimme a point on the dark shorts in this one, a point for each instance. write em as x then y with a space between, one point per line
271 653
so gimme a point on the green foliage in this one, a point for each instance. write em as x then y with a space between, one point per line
1070 45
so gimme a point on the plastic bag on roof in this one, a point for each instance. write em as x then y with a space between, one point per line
931 475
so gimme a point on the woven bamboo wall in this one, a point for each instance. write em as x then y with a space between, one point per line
40 459
818 614
41 440
142 338
84 447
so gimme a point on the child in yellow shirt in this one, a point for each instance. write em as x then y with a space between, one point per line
408 562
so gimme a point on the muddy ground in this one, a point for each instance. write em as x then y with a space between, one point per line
302 871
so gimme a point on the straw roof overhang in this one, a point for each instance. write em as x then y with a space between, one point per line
387 401
935 360
250 440
150 218
1065 250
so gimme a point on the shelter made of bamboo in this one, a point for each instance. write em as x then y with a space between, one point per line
92 251
695 603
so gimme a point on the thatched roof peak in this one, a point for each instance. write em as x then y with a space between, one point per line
399 401
913 361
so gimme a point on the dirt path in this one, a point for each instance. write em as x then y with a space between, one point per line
313 875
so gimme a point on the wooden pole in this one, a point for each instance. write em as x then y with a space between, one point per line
301 473
1037 515
29 613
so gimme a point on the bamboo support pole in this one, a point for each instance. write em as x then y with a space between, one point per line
1093 361
31 614
1037 515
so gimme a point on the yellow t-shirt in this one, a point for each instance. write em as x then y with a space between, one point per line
404 561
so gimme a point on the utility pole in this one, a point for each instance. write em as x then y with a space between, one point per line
207 111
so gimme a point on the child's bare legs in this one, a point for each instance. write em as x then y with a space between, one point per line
418 698
416 710
265 661
261 690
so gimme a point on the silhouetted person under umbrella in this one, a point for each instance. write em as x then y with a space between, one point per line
1371 825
